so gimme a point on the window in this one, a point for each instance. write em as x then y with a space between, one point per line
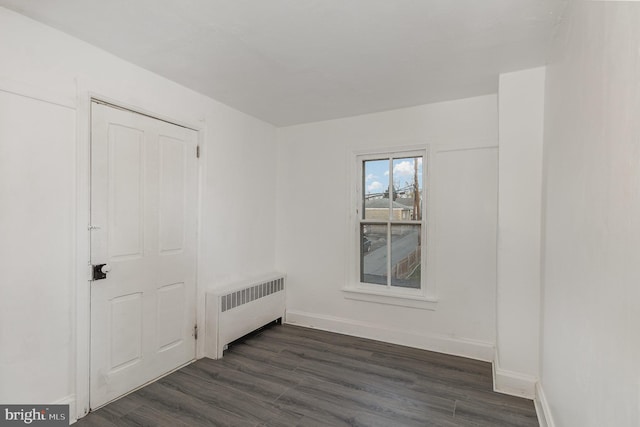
391 225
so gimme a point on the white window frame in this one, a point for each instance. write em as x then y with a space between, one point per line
425 297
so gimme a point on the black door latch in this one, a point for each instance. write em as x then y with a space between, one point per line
100 271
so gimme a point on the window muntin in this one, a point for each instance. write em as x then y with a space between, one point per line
391 225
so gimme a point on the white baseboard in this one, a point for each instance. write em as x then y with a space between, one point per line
542 408
513 383
473 349
71 401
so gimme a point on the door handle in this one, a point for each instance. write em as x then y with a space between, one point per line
100 271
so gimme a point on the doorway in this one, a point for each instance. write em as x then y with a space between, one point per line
143 250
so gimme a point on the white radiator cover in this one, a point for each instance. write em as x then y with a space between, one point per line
238 308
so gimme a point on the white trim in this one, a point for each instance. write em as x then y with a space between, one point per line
461 146
200 265
373 152
82 329
431 190
413 301
114 103
473 349
38 93
542 408
513 383
71 401
425 297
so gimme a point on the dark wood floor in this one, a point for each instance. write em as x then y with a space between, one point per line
292 376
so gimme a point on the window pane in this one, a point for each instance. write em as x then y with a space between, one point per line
373 254
375 184
407 185
406 247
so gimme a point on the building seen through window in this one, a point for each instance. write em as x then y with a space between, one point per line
391 223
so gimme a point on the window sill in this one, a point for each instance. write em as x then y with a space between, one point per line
412 301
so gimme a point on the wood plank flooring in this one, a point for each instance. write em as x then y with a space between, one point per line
290 376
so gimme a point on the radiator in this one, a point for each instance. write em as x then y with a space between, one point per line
234 310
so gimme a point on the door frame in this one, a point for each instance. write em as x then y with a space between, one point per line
82 332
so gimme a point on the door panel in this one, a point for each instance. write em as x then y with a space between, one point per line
172 194
125 331
126 184
143 213
171 306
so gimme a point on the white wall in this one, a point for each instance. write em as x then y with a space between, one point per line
591 294
36 249
43 184
521 113
313 224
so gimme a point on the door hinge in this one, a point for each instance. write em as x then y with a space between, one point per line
197 151
195 331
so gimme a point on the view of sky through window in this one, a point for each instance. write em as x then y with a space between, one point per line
376 174
391 242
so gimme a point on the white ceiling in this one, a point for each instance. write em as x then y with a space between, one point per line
296 61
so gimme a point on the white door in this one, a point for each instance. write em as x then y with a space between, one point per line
143 217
